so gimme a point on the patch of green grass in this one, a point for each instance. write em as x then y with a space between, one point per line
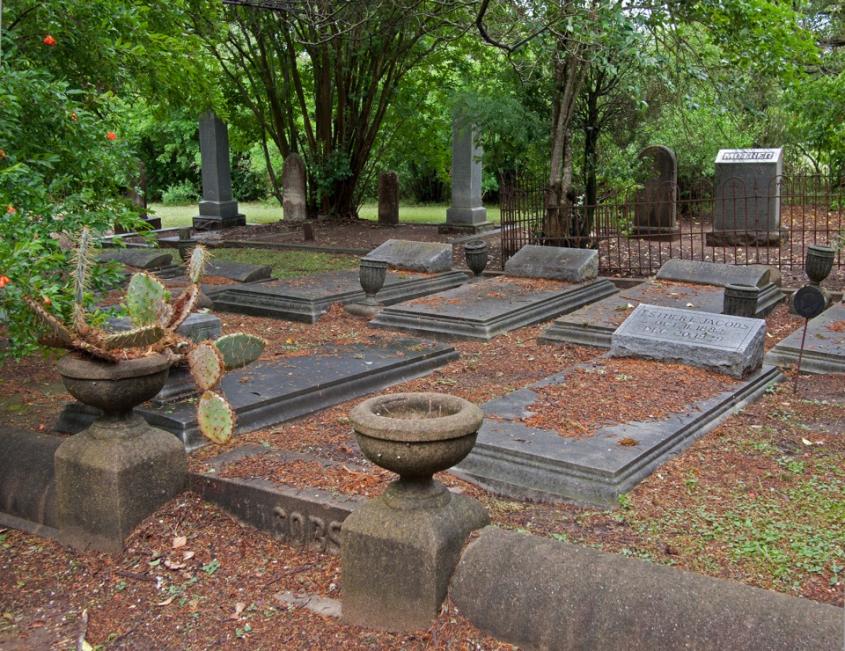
263 212
289 264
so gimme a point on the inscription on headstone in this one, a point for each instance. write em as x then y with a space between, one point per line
729 344
747 202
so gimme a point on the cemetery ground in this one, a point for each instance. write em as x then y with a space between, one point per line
757 500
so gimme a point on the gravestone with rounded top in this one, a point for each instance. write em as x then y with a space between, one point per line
655 213
554 262
746 208
218 209
293 181
388 198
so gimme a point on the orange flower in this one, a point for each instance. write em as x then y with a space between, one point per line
47 301
10 209
111 135
2 153
4 280
74 116
49 40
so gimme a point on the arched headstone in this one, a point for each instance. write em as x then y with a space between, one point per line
655 214
293 182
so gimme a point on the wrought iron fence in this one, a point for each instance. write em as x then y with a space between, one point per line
735 223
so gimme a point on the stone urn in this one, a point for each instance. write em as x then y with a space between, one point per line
475 253
116 472
372 273
741 300
819 262
398 550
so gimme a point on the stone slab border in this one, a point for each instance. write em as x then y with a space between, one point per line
544 594
821 354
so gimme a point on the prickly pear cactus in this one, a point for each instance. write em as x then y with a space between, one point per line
183 306
196 263
239 349
135 338
215 417
206 364
146 300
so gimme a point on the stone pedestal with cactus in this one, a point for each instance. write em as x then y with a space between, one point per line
120 469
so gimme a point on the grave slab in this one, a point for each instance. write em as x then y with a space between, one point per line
554 262
728 344
490 307
238 271
593 325
146 259
272 392
414 256
824 348
535 464
307 298
715 273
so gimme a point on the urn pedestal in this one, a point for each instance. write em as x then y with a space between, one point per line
372 274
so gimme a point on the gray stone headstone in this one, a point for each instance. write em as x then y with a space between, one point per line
197 327
467 209
293 181
554 262
239 271
218 209
747 202
728 344
414 256
146 259
655 213
388 198
714 273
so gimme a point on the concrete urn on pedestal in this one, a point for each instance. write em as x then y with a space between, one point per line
399 550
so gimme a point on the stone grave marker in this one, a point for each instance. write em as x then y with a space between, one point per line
238 271
715 273
409 255
728 344
293 182
824 347
139 258
218 208
655 213
746 209
554 262
388 198
466 211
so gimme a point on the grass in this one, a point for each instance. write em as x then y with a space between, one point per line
289 264
261 212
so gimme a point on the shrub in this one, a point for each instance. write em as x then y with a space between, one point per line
180 193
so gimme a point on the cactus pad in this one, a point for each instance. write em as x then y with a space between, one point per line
135 338
183 306
215 417
239 349
145 299
206 364
196 263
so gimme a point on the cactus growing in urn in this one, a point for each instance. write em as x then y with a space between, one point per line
155 320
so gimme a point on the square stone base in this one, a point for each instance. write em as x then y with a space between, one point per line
465 229
206 223
396 564
747 238
111 476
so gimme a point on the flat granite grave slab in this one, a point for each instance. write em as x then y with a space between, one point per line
554 262
593 325
414 256
824 347
715 273
238 271
270 392
523 462
490 307
307 298
728 344
146 259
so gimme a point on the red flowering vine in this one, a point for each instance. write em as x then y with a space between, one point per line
4 280
11 210
49 40
111 135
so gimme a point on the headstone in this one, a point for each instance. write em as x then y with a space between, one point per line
388 198
146 259
467 210
746 209
728 344
293 182
714 273
554 262
430 257
655 214
218 209
822 350
238 271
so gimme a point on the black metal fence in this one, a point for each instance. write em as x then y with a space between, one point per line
735 223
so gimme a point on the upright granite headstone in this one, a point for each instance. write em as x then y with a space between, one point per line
467 211
746 209
728 344
430 257
293 181
554 262
388 198
218 209
655 214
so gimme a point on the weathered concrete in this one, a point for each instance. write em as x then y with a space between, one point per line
239 271
544 594
294 201
430 257
388 199
715 273
27 482
824 347
466 210
554 262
